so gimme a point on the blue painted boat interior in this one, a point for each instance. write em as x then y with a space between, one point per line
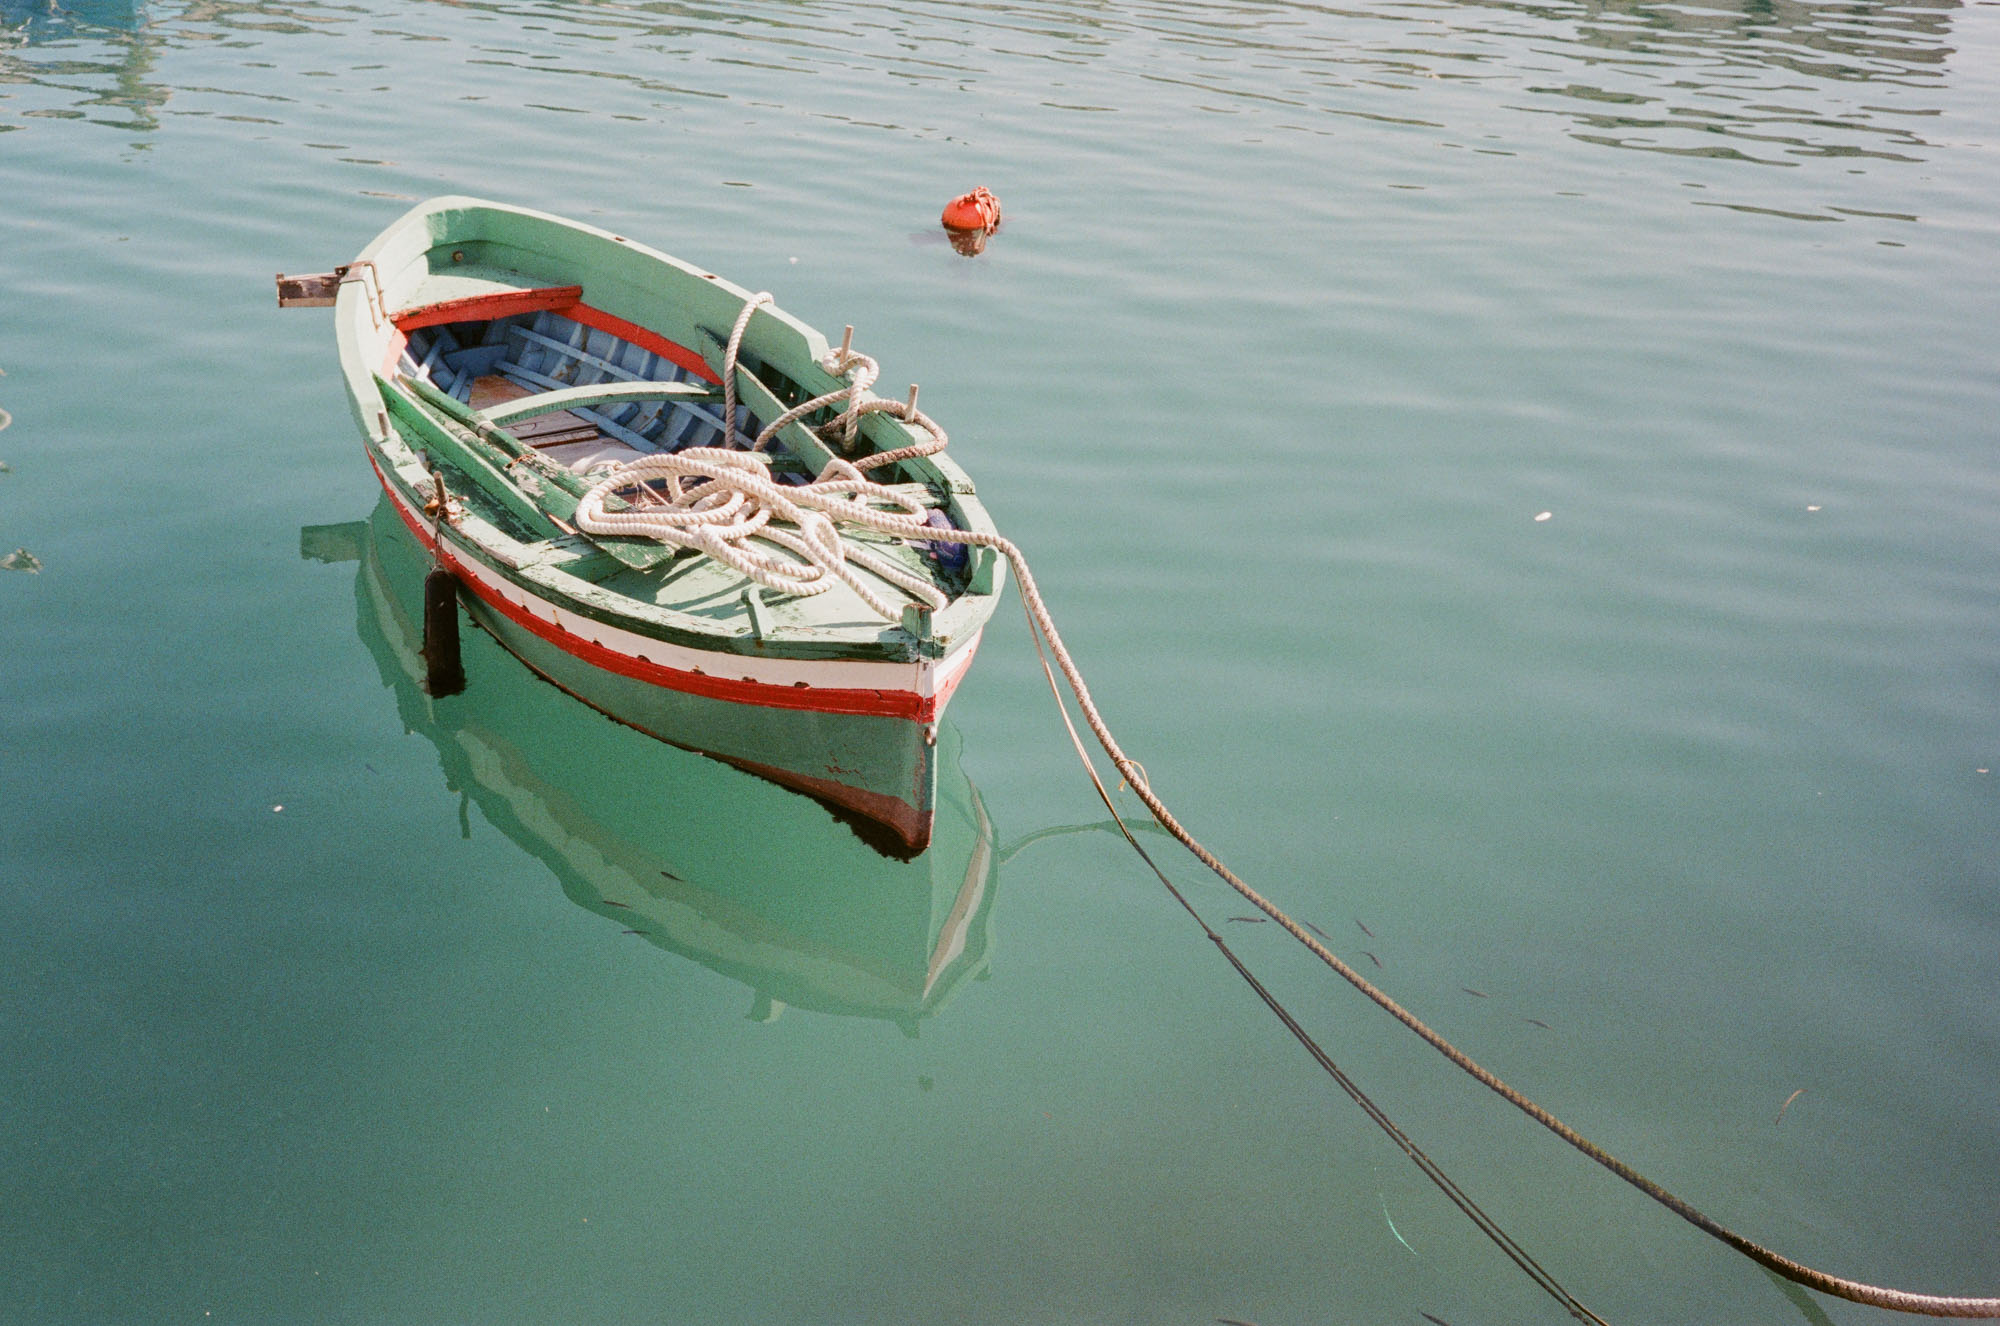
545 351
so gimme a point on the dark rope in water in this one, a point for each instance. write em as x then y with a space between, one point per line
1855 1291
1430 1169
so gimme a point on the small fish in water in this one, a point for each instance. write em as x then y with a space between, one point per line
1316 930
1371 957
672 876
638 932
1232 1321
626 905
1428 1317
1788 1104
1364 929
1537 1022
1252 920
1392 1225
1476 994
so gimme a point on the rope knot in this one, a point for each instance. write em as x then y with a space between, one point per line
783 536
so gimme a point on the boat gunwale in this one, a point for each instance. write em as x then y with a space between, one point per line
918 694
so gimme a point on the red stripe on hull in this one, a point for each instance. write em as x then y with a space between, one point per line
811 699
485 308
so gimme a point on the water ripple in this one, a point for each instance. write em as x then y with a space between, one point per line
1641 75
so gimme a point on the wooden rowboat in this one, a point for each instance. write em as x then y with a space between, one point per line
513 374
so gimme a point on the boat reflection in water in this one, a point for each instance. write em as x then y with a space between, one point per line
757 882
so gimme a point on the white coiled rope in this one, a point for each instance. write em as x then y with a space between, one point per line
723 501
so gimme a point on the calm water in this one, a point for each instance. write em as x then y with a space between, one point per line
325 1004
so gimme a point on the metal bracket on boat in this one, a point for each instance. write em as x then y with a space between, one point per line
760 619
441 507
372 287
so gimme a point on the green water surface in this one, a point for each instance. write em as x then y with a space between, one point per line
1524 478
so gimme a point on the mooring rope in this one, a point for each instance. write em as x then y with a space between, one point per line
1429 1167
729 503
729 365
860 372
1895 1300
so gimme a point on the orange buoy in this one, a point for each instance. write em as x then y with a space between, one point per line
978 210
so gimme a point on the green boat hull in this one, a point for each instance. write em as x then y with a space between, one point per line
810 692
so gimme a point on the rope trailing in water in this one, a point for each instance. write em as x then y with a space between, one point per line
1429 1167
736 500
1856 1291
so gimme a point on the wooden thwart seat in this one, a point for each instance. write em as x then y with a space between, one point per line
544 421
538 427
565 392
523 405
